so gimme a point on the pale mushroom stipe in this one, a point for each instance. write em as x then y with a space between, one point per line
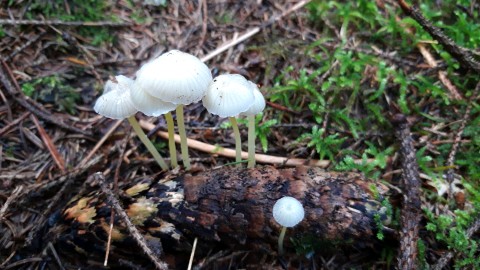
287 212
179 78
116 103
228 95
257 107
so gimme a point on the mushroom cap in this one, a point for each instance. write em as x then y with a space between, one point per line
148 104
228 95
259 103
175 77
288 211
115 102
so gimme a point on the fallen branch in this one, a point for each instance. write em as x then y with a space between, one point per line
463 56
230 153
411 186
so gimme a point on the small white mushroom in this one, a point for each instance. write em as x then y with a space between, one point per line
116 102
179 78
287 212
257 107
148 104
228 95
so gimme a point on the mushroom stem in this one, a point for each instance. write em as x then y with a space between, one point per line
183 137
143 137
251 141
171 140
280 240
238 140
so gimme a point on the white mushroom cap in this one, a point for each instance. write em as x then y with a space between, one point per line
175 77
288 211
228 95
116 102
148 104
259 103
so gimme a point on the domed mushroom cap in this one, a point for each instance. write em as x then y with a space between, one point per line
116 102
175 77
259 103
288 211
228 95
148 104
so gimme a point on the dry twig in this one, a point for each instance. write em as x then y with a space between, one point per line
131 228
411 207
458 135
62 23
260 158
463 56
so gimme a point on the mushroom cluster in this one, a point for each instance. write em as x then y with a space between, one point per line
173 80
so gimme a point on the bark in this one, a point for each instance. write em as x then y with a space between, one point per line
233 207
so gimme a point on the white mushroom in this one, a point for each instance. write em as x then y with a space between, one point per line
257 107
179 78
287 212
116 103
228 95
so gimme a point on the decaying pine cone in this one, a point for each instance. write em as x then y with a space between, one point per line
229 206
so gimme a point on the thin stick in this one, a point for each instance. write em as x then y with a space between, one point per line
143 137
57 158
171 141
463 56
131 228
252 32
183 137
251 141
190 262
100 143
115 190
238 140
260 158
59 22
458 136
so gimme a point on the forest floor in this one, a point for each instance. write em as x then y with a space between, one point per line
334 73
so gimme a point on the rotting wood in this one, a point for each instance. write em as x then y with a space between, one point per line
231 206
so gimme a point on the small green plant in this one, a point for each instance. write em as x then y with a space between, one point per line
452 231
55 90
372 168
80 10
325 145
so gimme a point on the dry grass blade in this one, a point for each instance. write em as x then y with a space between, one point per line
100 143
49 144
10 199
